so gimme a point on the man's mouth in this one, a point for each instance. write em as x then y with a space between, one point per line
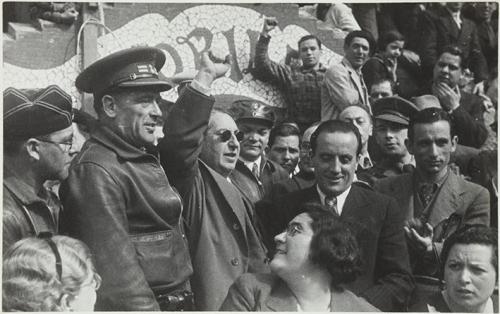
150 126
231 155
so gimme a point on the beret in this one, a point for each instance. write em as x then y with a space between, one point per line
35 112
394 109
249 109
133 67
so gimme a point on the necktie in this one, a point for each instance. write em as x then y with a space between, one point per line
255 170
426 193
331 203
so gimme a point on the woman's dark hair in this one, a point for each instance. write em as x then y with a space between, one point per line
333 245
389 37
472 234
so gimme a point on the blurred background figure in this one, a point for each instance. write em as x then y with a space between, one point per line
49 274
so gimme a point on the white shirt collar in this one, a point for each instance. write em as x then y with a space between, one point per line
249 164
340 198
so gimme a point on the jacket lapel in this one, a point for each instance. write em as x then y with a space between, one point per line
447 200
232 196
450 25
354 81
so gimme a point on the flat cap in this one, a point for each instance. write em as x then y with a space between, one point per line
394 109
426 101
35 112
133 67
253 110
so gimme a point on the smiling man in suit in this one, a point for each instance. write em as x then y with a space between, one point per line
336 148
434 199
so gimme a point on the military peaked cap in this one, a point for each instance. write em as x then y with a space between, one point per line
35 112
133 67
253 110
394 109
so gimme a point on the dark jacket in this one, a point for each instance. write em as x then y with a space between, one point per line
269 293
25 213
223 241
256 189
440 30
120 203
386 280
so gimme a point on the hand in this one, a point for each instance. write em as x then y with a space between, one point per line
270 23
419 235
212 68
478 88
411 56
448 98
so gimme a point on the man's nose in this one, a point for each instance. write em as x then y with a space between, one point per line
280 238
155 110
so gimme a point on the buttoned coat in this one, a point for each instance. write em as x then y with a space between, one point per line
223 241
340 90
269 293
386 280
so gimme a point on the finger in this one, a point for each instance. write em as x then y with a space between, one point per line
429 230
416 235
228 59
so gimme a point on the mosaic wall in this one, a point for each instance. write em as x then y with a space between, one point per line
220 28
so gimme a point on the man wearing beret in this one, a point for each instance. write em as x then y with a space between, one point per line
254 173
38 146
392 116
119 200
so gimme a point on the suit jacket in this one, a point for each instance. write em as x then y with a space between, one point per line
456 196
341 89
386 280
268 293
256 189
223 241
440 30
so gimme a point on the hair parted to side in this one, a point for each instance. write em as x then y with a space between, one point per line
472 234
30 279
335 126
283 130
307 37
333 245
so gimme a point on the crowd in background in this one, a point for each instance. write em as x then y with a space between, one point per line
376 191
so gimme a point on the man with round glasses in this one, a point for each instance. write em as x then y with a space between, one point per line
223 240
38 146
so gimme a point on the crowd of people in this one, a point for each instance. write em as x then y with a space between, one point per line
377 191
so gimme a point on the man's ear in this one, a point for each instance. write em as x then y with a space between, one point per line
454 143
267 150
109 106
64 303
409 145
32 147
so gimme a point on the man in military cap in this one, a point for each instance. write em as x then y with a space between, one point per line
38 137
119 200
254 173
392 116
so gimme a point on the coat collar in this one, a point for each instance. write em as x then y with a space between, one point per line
21 190
447 200
105 136
356 77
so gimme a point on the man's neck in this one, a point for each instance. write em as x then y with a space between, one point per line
397 160
25 173
311 67
432 178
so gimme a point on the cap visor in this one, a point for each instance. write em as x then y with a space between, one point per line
261 120
148 82
392 118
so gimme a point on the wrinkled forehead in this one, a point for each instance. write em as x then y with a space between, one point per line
221 120
354 112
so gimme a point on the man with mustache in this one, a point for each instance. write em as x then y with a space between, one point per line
335 149
254 173
117 197
433 198
344 84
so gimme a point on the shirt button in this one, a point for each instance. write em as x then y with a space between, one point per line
236 226
235 262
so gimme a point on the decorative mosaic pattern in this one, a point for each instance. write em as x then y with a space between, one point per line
221 28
